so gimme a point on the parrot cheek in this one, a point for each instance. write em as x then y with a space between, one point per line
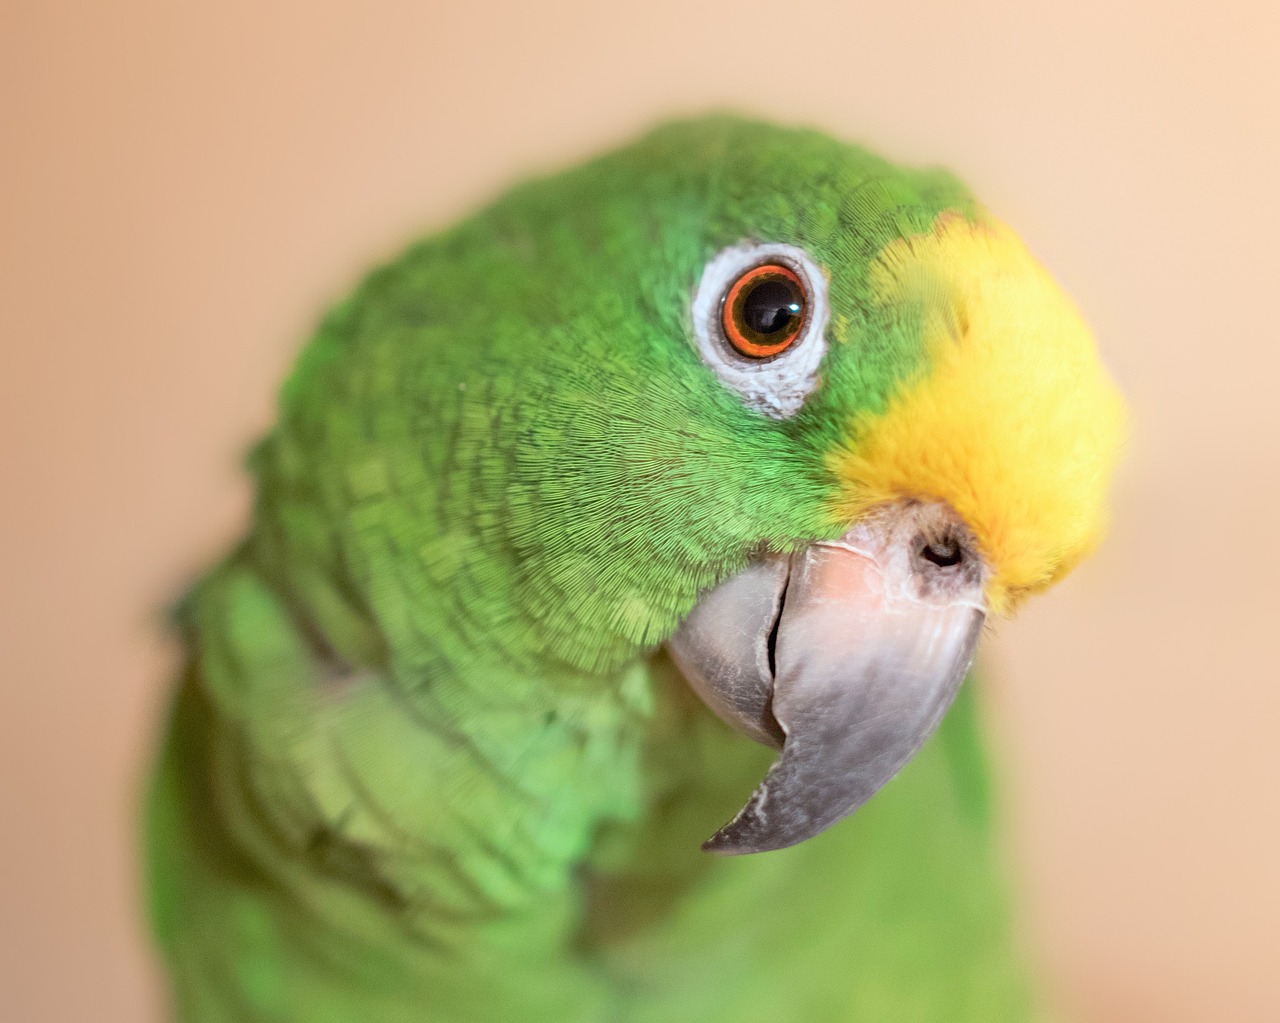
844 655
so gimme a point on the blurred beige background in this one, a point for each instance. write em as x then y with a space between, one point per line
183 187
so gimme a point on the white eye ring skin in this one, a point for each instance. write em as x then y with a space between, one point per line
775 386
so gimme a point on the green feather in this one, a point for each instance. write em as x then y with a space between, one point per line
429 762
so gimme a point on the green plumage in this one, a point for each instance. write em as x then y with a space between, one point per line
429 761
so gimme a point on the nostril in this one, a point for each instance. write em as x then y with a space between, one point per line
943 553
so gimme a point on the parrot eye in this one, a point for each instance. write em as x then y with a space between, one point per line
764 311
759 315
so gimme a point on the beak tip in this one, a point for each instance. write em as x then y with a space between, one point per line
741 835
727 842
751 831
723 843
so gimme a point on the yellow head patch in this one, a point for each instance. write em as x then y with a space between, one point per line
1014 421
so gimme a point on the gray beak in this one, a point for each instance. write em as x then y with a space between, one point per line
844 655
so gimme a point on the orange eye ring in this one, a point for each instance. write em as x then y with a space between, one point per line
764 311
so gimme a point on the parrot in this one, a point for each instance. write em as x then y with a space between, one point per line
610 549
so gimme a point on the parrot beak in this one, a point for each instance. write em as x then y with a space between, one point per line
844 655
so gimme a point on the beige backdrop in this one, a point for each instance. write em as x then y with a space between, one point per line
184 186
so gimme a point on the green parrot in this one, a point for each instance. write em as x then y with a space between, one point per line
662 499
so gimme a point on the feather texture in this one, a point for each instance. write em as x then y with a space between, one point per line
429 761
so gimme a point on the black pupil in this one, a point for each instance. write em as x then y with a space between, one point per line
771 306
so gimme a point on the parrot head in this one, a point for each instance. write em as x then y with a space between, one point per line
802 418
